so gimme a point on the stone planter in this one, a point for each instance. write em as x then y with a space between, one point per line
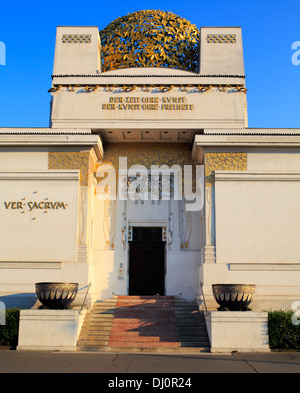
56 295
233 297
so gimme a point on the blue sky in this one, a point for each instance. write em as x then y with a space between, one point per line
269 28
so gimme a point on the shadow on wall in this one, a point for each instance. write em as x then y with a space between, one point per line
111 288
19 300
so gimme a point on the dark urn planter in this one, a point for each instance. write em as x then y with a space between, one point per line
56 295
233 297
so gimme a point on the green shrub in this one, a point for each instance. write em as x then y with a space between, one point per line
283 334
9 331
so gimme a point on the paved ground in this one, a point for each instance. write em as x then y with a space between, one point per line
107 363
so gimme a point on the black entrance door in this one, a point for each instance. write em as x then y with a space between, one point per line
147 262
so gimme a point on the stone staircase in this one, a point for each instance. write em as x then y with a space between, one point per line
191 327
144 324
95 331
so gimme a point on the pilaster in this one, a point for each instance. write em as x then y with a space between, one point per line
216 161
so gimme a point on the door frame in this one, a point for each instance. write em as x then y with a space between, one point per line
148 223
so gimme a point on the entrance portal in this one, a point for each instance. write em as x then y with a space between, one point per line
147 262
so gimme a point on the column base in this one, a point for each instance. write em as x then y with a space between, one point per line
209 254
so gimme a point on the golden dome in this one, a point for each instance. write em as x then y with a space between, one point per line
150 39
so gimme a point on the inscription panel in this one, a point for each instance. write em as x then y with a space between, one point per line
148 103
38 216
212 106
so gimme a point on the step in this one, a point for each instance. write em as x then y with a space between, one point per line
104 306
201 333
189 316
95 341
95 331
193 344
146 319
96 327
89 341
107 301
192 320
91 348
132 297
136 339
192 339
91 338
145 306
101 317
100 324
141 327
190 326
186 306
145 310
144 301
148 332
144 323
143 344
106 316
103 312
172 350
142 316
93 318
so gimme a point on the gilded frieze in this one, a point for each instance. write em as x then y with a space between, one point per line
235 161
73 160
148 154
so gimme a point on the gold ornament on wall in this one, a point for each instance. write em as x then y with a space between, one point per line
234 161
73 160
150 38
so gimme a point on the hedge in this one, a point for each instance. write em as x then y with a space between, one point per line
9 331
283 334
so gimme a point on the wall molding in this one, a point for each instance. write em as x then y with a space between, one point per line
257 176
30 265
40 175
264 266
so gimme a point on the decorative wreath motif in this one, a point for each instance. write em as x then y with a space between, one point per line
150 38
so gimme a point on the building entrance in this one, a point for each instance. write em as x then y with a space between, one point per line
147 262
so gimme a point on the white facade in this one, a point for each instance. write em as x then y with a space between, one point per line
55 228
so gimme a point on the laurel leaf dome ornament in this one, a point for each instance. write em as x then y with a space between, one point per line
150 38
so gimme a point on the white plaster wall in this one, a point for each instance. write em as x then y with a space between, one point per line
274 160
77 58
23 160
257 221
182 274
107 283
221 58
41 234
23 279
273 282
